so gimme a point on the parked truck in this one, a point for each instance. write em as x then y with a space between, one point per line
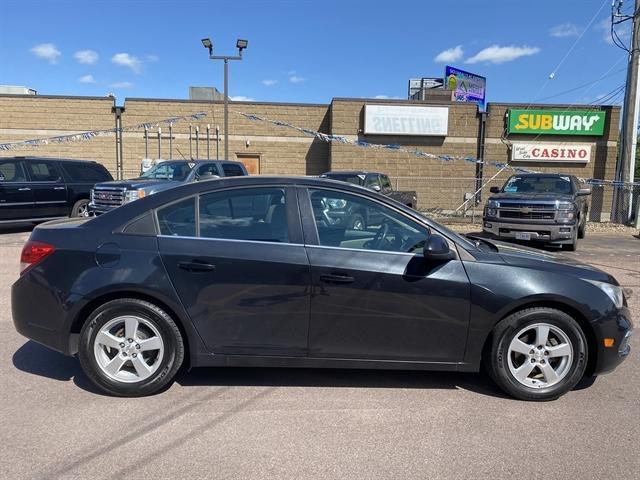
539 207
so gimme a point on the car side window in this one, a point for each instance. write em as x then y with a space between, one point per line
178 219
85 172
350 221
232 170
372 181
43 172
255 214
386 183
207 168
12 171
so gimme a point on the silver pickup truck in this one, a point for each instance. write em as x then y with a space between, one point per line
106 196
539 207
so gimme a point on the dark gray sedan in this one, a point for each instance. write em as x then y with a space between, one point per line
255 271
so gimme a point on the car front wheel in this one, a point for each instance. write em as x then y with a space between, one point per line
537 354
130 348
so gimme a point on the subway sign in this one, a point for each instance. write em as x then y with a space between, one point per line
556 122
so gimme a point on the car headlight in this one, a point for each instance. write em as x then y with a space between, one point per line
492 212
493 204
566 214
614 292
131 195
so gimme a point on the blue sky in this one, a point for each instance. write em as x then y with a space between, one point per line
311 51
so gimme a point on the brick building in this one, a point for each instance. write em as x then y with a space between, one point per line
271 149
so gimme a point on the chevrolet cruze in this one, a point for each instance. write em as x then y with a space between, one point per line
261 271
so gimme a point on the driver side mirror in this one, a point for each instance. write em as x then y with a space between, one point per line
437 248
206 176
376 188
494 189
584 191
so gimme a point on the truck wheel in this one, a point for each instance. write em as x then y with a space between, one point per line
537 354
357 222
573 246
582 229
80 209
130 348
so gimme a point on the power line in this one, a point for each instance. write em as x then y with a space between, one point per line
584 84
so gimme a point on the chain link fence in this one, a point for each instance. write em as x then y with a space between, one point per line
457 199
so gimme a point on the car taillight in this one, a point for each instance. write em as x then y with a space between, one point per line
33 253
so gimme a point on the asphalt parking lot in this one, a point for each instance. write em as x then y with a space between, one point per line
266 423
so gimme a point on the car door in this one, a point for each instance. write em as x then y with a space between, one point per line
237 262
49 189
374 294
16 196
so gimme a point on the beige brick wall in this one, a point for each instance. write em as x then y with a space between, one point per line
284 151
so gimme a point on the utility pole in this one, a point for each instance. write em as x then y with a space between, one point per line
623 199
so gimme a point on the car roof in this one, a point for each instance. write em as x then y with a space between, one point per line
544 174
51 159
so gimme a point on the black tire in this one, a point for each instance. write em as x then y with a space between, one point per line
356 222
573 246
168 365
582 228
80 209
496 357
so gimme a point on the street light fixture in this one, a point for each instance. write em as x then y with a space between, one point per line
240 45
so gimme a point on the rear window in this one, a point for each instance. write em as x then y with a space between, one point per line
355 179
43 171
12 172
86 172
232 170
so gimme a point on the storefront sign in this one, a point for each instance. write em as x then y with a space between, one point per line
551 152
465 86
556 122
406 120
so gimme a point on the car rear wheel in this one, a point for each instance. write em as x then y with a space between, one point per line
537 354
130 347
80 209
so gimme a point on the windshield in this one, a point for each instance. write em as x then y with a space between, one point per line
538 184
354 178
178 171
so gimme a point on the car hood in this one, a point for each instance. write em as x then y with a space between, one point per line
527 257
550 197
136 183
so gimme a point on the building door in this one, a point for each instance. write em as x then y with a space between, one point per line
251 162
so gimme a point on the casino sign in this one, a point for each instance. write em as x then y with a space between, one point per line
551 152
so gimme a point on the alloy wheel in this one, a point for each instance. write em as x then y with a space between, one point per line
128 349
540 355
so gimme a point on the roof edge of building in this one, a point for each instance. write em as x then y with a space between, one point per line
54 97
231 102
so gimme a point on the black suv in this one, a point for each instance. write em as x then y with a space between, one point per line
34 189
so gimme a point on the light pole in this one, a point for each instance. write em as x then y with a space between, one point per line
240 45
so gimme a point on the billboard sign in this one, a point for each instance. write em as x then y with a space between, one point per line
465 86
551 152
417 85
406 120
556 122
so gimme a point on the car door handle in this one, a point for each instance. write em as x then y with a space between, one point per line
24 189
196 267
59 188
336 278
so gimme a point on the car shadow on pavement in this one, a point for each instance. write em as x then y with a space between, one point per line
38 360
339 378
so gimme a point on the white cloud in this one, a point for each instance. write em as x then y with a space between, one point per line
449 55
296 79
497 54
564 30
386 97
240 98
152 58
121 85
87 79
129 61
46 51
269 82
86 57
291 72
